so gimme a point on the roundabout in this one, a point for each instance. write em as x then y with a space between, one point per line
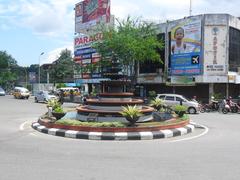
115 133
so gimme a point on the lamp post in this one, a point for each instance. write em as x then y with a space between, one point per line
190 9
39 73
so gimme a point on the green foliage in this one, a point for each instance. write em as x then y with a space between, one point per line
180 108
63 67
130 42
152 94
131 113
58 109
91 124
60 85
218 96
55 104
8 70
157 103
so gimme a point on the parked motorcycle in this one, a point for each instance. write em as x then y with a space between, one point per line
234 109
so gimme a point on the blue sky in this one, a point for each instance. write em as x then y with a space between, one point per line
29 27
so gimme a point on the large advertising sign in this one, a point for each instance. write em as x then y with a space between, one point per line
215 50
32 77
185 49
90 12
85 54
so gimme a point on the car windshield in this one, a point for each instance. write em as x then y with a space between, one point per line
1 89
186 98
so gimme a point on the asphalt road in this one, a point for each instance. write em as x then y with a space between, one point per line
26 154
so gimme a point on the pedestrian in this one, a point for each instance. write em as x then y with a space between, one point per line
61 96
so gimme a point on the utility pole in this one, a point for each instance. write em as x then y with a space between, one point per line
39 72
190 8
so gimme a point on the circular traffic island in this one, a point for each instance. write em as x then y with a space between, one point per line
114 130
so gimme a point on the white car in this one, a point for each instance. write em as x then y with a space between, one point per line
2 92
44 96
174 99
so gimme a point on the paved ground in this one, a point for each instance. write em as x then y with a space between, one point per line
27 154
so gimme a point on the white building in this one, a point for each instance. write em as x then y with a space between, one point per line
201 57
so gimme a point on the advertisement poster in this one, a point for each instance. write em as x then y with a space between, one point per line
32 77
185 47
215 50
90 12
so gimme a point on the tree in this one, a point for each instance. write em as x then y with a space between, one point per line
8 74
131 42
62 69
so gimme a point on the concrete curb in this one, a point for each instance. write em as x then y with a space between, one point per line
146 135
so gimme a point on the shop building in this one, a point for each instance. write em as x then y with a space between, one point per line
201 58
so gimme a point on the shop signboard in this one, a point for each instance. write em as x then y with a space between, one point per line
215 50
181 81
80 52
185 58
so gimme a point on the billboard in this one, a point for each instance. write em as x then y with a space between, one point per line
185 41
32 77
215 50
89 13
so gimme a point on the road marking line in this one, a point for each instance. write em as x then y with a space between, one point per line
33 134
202 134
21 127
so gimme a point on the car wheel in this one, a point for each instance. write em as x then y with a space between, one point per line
192 110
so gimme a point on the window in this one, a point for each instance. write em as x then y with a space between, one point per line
179 99
234 49
162 97
169 98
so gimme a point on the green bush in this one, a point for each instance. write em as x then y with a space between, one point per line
56 106
180 108
60 85
157 103
131 113
58 110
91 124
152 94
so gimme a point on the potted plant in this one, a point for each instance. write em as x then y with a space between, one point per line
180 110
57 110
131 113
157 103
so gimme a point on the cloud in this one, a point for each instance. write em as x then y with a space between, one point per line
46 18
54 54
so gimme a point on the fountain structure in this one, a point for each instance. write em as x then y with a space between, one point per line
114 95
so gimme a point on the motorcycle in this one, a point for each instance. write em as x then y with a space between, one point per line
227 108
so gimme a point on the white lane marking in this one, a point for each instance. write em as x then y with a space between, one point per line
32 134
194 137
21 127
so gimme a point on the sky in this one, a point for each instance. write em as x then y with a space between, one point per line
30 27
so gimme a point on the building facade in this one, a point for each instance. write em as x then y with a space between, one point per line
201 58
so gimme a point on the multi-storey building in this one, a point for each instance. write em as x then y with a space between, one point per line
201 57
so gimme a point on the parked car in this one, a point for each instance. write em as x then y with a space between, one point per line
174 99
2 92
44 96
21 93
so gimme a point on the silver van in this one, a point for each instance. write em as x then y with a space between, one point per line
174 99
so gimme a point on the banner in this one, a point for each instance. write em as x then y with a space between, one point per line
186 47
215 45
90 12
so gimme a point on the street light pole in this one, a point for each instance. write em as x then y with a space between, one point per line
39 73
190 9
